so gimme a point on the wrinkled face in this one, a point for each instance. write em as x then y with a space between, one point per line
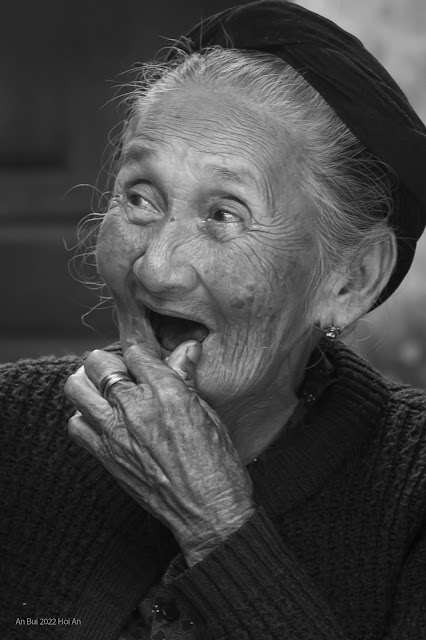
208 238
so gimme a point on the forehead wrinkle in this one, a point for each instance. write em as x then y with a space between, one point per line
240 176
234 135
197 109
137 152
226 134
230 124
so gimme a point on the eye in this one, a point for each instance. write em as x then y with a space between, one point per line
136 200
132 198
137 203
224 217
223 225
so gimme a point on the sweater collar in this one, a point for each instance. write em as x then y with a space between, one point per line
347 413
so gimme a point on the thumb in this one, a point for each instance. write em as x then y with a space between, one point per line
184 360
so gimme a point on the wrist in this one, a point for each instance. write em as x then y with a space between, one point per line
197 550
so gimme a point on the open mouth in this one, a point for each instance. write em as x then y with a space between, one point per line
171 331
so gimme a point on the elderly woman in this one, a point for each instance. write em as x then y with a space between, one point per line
234 470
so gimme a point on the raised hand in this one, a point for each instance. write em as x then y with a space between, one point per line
164 445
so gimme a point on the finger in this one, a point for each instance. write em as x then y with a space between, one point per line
146 366
107 441
81 391
136 329
99 365
81 372
183 360
82 433
106 450
123 394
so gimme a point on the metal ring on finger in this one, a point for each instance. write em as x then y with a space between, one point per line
110 380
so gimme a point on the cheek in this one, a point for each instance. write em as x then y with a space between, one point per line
252 288
243 302
114 250
265 312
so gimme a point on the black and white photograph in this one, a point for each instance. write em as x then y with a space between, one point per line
213 327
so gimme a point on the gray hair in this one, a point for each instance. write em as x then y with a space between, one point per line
350 188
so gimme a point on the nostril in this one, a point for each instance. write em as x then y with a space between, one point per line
159 270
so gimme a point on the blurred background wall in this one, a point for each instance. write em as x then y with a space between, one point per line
394 336
59 64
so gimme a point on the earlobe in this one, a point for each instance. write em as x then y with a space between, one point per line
336 296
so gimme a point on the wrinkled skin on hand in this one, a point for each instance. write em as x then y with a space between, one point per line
163 444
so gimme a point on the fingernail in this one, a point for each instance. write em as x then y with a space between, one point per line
193 352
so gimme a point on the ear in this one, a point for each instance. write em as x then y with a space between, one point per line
351 293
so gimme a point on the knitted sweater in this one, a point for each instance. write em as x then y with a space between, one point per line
336 549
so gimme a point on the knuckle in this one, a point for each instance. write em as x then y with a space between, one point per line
141 351
134 353
138 349
183 375
109 425
94 357
132 350
130 355
145 392
170 393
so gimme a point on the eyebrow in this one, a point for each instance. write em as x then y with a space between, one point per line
135 153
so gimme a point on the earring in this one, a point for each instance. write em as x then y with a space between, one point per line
332 332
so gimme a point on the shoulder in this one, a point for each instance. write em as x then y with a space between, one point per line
396 412
412 399
25 369
47 365
36 452
38 380
395 450
401 455
393 397
404 429
34 382
405 418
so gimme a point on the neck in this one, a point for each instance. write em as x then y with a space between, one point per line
254 429
256 420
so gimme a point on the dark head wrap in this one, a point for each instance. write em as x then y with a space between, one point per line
352 82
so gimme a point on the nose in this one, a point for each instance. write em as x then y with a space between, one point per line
165 265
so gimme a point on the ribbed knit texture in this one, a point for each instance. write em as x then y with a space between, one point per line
335 550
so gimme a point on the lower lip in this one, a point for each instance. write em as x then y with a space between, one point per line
164 354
